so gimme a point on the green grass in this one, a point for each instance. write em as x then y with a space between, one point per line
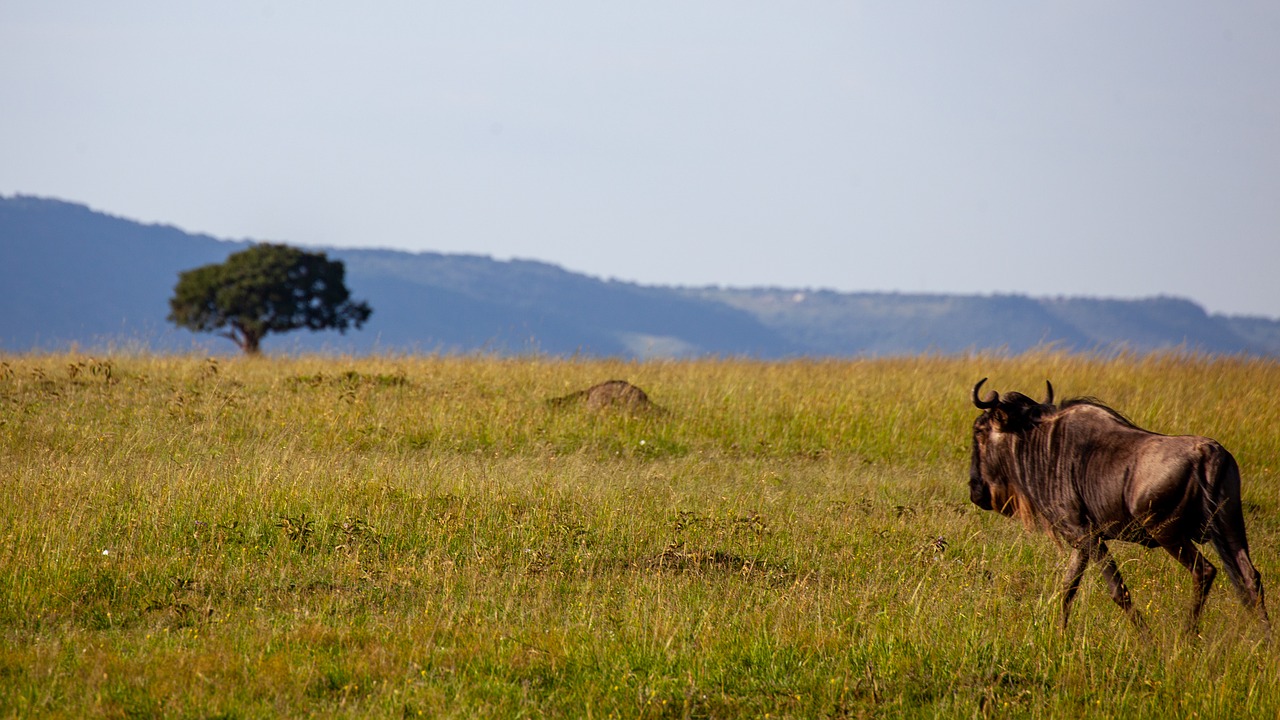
424 536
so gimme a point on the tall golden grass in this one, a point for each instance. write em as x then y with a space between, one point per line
425 536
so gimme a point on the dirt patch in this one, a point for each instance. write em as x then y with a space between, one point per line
614 394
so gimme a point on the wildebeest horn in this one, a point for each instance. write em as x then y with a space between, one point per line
1048 399
993 397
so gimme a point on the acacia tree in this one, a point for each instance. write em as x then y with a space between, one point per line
265 289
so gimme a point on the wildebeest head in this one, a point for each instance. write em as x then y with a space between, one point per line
1003 424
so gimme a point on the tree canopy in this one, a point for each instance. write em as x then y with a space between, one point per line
265 289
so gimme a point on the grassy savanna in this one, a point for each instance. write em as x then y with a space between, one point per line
424 536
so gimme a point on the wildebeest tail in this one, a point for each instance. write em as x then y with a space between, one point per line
1220 480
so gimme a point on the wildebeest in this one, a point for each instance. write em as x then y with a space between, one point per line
1086 474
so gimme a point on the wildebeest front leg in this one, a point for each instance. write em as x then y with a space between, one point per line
1119 592
1075 570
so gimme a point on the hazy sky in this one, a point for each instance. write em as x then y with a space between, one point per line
1051 148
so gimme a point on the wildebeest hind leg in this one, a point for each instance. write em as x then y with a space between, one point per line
1202 574
1248 581
1119 592
1075 570
1253 587
1229 539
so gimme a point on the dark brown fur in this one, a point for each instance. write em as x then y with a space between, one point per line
1086 474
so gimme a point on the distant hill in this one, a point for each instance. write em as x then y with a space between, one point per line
831 323
75 277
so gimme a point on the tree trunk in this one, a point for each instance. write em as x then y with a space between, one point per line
245 340
251 344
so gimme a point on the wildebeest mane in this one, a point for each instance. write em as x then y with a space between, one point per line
1095 402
